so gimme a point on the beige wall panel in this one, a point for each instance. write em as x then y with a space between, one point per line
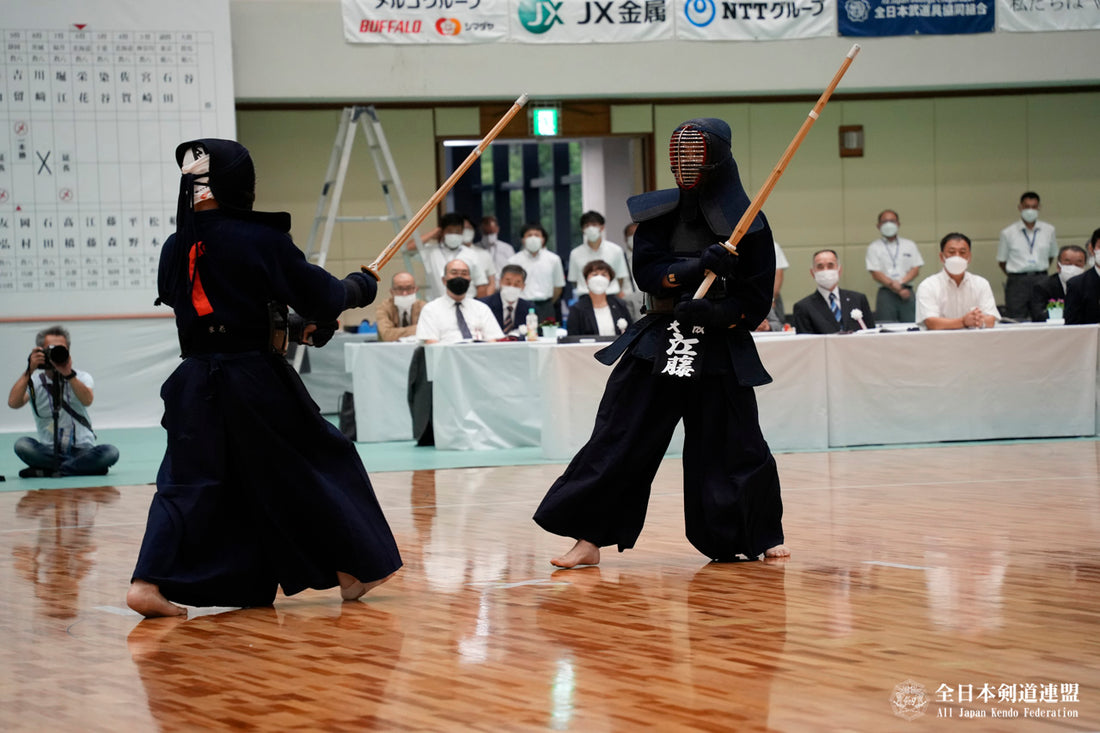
460 121
897 170
1064 162
981 163
627 118
805 207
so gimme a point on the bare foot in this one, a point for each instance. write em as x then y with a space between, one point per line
146 599
777 551
583 553
352 589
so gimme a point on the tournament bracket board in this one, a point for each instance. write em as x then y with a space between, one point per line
94 98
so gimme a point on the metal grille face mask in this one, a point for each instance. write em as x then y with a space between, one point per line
687 152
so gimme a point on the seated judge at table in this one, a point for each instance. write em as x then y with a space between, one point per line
954 298
398 314
829 309
508 308
596 313
1083 291
1071 263
457 315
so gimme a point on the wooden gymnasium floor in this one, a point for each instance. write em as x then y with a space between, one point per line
952 568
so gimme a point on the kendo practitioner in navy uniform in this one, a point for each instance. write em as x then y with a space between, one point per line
256 490
690 359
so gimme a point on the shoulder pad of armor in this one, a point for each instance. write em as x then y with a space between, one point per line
653 204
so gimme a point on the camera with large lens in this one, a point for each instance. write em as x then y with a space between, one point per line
56 355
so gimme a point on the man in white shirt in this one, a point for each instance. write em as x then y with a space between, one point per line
894 262
445 244
954 298
1026 249
545 275
480 257
457 316
595 247
490 240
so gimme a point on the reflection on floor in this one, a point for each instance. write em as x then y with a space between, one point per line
928 583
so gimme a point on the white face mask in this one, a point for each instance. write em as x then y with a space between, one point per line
1030 215
955 265
452 241
593 233
404 302
598 284
510 293
1065 272
533 243
827 278
888 228
467 236
489 239
630 242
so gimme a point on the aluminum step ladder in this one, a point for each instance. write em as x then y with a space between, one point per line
328 215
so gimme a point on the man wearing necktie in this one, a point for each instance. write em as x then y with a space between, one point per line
829 309
398 314
507 306
456 316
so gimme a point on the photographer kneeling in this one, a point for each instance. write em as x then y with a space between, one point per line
59 396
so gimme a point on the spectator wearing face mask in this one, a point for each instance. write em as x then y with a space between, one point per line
399 313
480 256
446 243
545 275
1083 291
894 262
595 247
456 316
830 309
490 240
954 298
1024 253
1071 263
507 305
596 313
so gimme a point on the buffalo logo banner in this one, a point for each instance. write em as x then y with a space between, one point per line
919 17
425 21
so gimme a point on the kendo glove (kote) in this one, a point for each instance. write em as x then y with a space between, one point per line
707 313
319 333
359 290
685 273
719 260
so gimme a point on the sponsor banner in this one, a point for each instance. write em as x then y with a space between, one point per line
746 20
1047 15
425 21
910 17
591 21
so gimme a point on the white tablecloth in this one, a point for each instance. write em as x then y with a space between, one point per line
829 391
483 395
380 378
1004 382
792 409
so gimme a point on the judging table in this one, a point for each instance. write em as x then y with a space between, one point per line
1029 380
